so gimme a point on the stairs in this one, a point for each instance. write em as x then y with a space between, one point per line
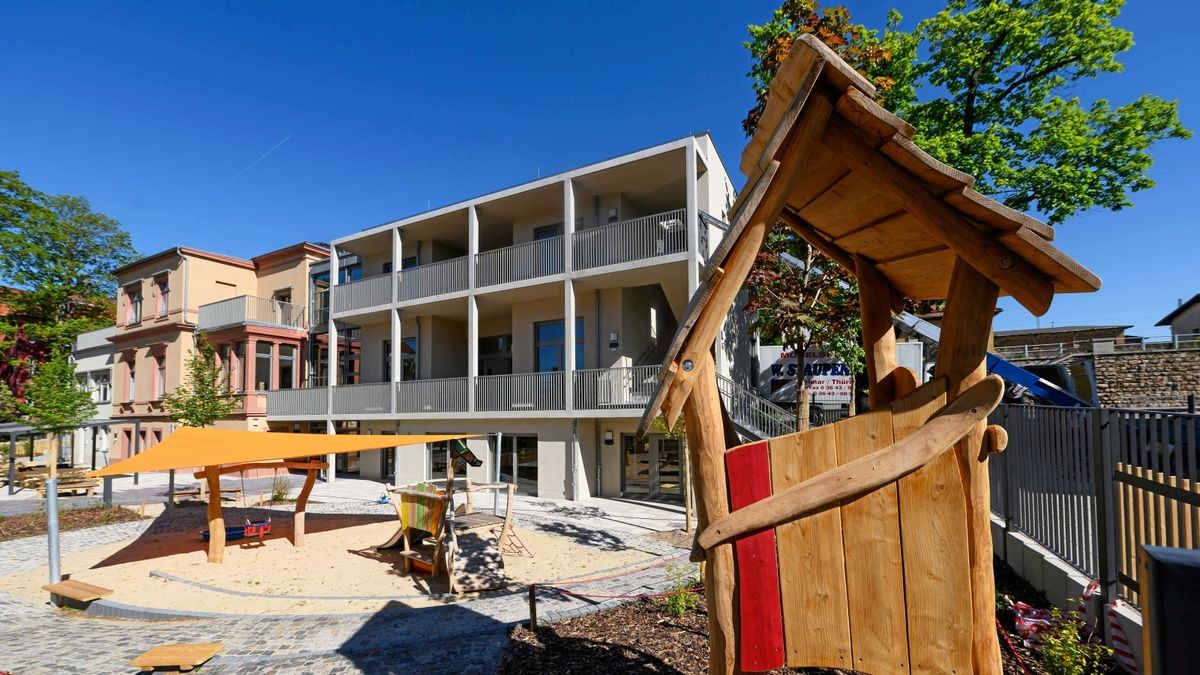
754 417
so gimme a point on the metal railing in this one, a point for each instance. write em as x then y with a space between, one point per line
297 402
444 395
1185 341
362 399
626 241
369 292
1093 485
753 412
609 388
520 392
446 276
530 260
251 309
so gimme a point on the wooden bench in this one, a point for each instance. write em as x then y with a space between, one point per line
77 590
195 492
87 486
183 656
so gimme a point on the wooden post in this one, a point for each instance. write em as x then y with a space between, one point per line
687 488
533 607
966 335
298 522
216 522
706 443
879 337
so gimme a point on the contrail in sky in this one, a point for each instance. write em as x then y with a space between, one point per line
265 155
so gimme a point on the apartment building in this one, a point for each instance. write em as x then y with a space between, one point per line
92 355
537 317
251 310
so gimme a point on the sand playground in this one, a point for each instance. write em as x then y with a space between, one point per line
335 572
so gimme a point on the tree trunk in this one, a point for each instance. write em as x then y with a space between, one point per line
802 402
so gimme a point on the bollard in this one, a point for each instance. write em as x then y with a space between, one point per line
533 607
52 527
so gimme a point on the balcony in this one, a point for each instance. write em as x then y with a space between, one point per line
297 402
615 388
421 396
520 392
638 239
530 260
362 294
439 278
250 309
363 399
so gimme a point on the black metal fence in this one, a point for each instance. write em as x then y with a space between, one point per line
1093 485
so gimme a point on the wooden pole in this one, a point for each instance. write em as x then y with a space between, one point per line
879 337
301 501
216 522
966 335
533 607
687 488
706 443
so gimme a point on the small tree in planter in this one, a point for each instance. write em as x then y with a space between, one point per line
203 397
56 404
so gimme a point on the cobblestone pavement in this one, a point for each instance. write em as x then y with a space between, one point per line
457 637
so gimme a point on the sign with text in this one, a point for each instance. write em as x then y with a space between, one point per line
827 378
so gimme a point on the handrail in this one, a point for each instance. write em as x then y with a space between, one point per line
444 276
753 411
637 239
538 258
250 309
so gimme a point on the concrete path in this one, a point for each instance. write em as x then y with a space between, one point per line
458 637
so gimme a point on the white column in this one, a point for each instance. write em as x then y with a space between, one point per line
331 357
569 336
397 256
693 219
472 307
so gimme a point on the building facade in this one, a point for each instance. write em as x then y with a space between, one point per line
536 317
253 311
92 354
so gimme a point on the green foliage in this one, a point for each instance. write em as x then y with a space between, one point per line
279 488
682 598
54 401
1065 650
659 426
203 397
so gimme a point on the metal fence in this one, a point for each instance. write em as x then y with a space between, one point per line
446 276
1094 485
516 263
519 392
443 395
369 292
753 412
251 309
362 399
297 402
626 241
609 388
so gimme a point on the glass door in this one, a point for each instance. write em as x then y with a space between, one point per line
637 462
519 463
653 468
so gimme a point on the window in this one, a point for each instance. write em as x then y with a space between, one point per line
133 305
164 294
237 359
549 338
408 359
350 273
130 383
287 366
387 268
103 387
495 355
262 365
408 263
387 361
160 376
438 456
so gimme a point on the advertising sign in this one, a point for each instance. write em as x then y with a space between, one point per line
827 378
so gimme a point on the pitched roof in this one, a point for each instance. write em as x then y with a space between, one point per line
1166 320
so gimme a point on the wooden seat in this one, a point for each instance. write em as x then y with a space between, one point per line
88 487
184 656
77 590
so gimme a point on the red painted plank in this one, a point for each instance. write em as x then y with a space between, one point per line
759 608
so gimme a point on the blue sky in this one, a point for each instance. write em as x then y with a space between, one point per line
242 127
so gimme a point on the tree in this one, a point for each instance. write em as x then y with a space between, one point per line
802 298
56 403
203 397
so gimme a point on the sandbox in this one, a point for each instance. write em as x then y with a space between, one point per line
334 572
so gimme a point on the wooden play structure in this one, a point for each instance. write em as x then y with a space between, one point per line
468 544
864 544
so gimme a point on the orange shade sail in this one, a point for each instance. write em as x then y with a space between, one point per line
190 447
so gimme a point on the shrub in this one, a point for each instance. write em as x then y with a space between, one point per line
1066 647
279 488
682 596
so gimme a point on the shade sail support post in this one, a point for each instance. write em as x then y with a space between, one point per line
216 521
301 502
966 336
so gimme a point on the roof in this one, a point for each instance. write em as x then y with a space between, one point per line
845 174
190 447
1056 329
185 251
1166 320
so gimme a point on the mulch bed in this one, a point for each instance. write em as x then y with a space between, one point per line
33 524
641 637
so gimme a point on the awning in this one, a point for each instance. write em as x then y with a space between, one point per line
190 447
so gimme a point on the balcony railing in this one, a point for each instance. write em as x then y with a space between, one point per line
626 241
614 388
447 276
520 392
516 263
369 292
362 399
445 395
754 413
297 402
251 309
